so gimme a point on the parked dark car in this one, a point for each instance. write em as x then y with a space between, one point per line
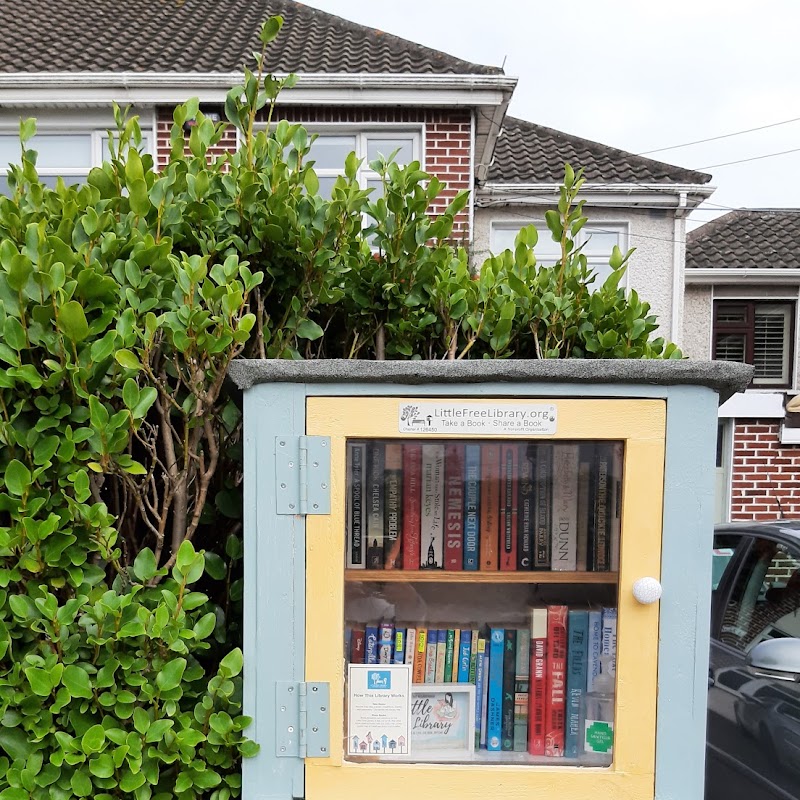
753 742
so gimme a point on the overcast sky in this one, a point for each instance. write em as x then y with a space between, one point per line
637 75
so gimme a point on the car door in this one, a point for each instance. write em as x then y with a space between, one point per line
753 722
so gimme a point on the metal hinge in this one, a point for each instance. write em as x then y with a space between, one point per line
303 474
302 720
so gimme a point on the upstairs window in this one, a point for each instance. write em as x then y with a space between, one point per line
757 333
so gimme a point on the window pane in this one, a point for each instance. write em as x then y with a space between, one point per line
377 189
326 186
770 355
547 251
330 152
385 147
56 151
730 347
10 149
731 315
4 187
601 269
600 242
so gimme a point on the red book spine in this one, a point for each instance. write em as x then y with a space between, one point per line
357 645
537 698
556 680
454 507
508 506
490 507
412 511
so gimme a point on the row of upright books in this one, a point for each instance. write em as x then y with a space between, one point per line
488 506
530 683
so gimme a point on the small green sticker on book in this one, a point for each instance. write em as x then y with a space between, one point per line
599 736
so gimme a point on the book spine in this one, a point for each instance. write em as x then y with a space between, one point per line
522 682
356 508
454 507
386 643
473 656
509 683
578 634
432 528
508 506
348 634
618 453
480 677
357 645
420 656
526 503
485 692
556 680
602 508
375 505
441 656
609 650
565 513
411 648
393 482
430 655
582 561
595 648
412 510
472 498
464 656
543 506
494 718
399 646
371 652
490 507
537 709
449 655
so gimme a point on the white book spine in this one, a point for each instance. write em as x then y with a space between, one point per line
564 543
432 525
595 647
430 658
411 645
609 650
356 506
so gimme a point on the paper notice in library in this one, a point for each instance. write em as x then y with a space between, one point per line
512 419
379 710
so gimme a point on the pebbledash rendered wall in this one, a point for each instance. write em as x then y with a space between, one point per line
446 141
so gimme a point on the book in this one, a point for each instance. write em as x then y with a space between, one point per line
473 657
485 692
355 519
508 506
454 507
412 510
375 504
618 453
348 633
410 648
464 656
386 643
432 525
543 506
565 514
480 652
357 645
371 650
490 507
594 647
494 716
602 508
526 506
399 646
577 657
509 683
582 559
449 655
556 680
472 495
420 656
430 655
393 492
441 655
609 644
522 690
537 699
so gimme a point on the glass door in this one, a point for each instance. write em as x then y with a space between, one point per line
469 597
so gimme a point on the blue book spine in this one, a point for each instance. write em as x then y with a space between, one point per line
595 647
577 650
400 646
494 716
464 652
371 656
472 501
480 677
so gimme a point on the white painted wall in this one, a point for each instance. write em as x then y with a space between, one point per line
651 232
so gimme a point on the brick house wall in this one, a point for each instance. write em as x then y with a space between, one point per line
764 472
446 142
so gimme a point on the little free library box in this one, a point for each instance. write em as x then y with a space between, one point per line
474 579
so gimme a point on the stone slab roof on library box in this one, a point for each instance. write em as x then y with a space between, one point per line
767 239
203 36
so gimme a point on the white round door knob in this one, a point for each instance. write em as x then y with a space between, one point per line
647 590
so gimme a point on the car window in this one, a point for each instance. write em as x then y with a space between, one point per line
724 548
765 600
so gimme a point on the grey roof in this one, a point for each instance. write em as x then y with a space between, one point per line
202 36
722 376
530 153
749 239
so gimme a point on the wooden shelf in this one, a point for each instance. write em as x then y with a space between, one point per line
442 576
